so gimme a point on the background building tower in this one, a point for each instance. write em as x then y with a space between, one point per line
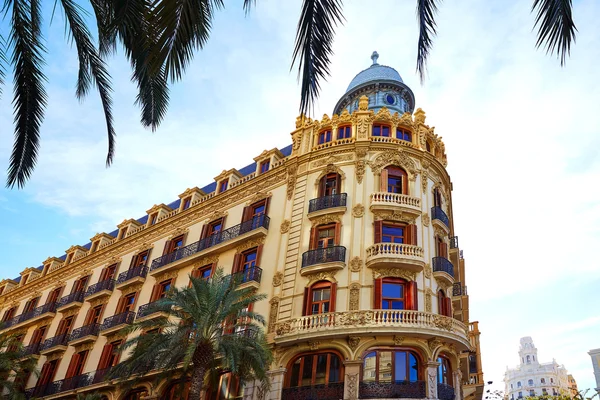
595 355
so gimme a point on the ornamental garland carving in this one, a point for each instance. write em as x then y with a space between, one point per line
291 180
394 216
273 313
426 219
326 219
331 160
98 301
167 275
356 264
427 271
358 211
394 157
360 168
205 261
354 303
258 197
398 340
442 322
132 289
216 215
285 226
353 342
177 232
277 279
394 273
428 305
70 312
248 244
321 276
352 386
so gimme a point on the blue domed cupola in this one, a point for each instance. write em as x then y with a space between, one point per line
384 87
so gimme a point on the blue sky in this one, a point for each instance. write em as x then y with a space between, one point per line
521 135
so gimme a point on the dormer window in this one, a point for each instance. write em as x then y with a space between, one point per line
24 279
94 247
345 132
381 130
187 202
403 134
325 136
264 166
153 218
223 185
122 233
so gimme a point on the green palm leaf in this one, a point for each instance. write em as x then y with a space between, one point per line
426 10
314 46
556 28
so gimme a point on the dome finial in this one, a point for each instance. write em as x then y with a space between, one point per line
374 57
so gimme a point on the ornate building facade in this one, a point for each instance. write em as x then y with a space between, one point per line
532 378
350 233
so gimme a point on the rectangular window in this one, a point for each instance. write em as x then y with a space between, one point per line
264 166
77 363
223 185
31 305
153 218
64 327
381 130
187 202
215 227
330 185
122 233
175 244
48 372
94 315
203 272
9 314
392 233
127 303
110 355
80 284
403 134
163 288
392 296
25 277
141 258
344 132
108 272
324 137
94 246
38 335
326 236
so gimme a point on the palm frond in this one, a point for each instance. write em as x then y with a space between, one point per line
426 10
248 4
556 28
91 68
183 26
107 32
3 61
30 98
313 47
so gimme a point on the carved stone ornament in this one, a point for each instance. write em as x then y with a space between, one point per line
329 161
352 386
314 345
291 180
433 344
442 284
321 276
258 197
358 211
394 157
248 244
83 347
424 181
432 383
273 313
442 322
216 215
356 264
285 226
394 273
360 168
354 303
363 103
70 312
97 302
178 232
326 219
356 318
115 336
428 305
167 275
353 342
426 219
277 279
132 289
439 232
427 271
205 261
398 340
394 216
384 115
54 356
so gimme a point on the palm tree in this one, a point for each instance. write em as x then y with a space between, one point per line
15 366
208 329
160 38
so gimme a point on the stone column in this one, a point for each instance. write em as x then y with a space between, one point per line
457 380
277 377
432 368
351 379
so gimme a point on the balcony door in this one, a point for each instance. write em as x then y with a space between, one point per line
329 185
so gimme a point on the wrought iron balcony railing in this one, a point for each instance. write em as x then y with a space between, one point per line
88 330
125 318
442 264
261 221
76 297
250 274
107 284
36 312
438 213
32 349
392 390
322 203
58 340
445 391
67 384
458 289
146 309
139 271
330 391
323 255
454 242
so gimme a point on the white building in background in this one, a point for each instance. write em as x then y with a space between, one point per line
532 378
595 354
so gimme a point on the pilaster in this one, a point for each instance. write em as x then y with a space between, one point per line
276 376
457 383
432 369
351 379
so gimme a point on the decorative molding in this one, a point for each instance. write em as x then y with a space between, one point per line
321 276
353 342
394 216
394 157
248 244
356 264
363 103
115 336
439 232
285 226
326 219
424 180
394 273
434 343
258 197
352 386
426 219
443 285
329 161
428 271
360 168
314 344
354 303
98 301
442 322
428 300
72 311
273 313
167 275
358 211
132 289
216 215
83 347
291 180
398 340
277 279
177 232
205 261
54 356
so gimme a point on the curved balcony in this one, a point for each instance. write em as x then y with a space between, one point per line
323 259
101 289
440 219
398 255
54 344
330 391
443 269
132 276
85 334
70 301
384 201
30 317
392 390
373 322
335 203
117 322
445 391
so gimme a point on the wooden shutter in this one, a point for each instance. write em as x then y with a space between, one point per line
259 251
61 327
155 292
377 226
332 297
195 274
448 306
167 247
132 261
383 180
314 237
267 201
204 232
247 213
88 317
237 262
443 249
411 234
305 302
148 259
377 286
120 305
338 184
336 238
104 357
73 365
411 296
322 186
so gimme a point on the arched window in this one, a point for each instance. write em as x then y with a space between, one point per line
444 304
344 132
444 371
136 394
394 180
315 369
528 359
177 391
403 134
324 136
437 197
319 298
519 384
530 382
330 184
391 366
395 294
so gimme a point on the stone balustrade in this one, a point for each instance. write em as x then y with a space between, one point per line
396 198
394 249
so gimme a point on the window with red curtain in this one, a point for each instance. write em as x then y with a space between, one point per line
395 294
315 369
319 298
